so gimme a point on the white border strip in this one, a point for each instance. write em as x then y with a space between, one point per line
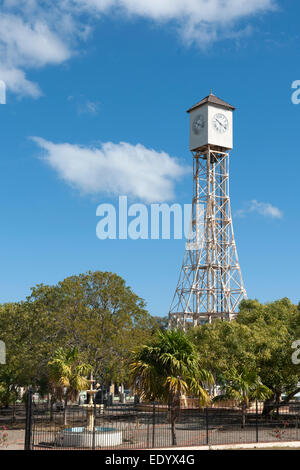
255 445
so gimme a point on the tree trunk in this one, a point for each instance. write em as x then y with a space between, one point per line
173 431
271 403
65 411
175 410
268 406
277 401
52 401
244 407
14 412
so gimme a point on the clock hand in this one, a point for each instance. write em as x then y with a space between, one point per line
220 123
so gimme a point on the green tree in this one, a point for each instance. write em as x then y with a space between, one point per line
101 316
26 335
8 388
167 368
244 387
161 323
68 376
277 326
260 339
94 312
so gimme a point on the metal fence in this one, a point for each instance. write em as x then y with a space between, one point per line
146 426
13 416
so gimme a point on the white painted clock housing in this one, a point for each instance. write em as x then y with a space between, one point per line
211 123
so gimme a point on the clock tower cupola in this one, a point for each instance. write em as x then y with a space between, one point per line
211 123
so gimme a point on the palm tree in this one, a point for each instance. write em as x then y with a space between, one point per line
167 368
67 376
245 386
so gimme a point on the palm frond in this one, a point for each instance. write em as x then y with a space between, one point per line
169 367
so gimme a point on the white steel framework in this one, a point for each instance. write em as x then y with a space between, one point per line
210 283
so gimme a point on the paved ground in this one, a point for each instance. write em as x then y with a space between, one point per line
138 433
15 440
143 438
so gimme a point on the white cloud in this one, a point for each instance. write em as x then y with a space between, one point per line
263 208
88 107
31 44
199 21
84 105
118 169
36 33
18 83
27 44
199 10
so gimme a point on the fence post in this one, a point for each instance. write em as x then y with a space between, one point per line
256 423
206 420
153 427
148 431
94 425
28 426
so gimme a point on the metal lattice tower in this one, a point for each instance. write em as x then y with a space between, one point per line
210 283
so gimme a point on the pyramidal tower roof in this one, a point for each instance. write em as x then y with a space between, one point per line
213 99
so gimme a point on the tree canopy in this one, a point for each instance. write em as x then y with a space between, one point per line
259 340
100 316
95 312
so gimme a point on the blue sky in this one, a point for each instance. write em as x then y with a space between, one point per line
86 73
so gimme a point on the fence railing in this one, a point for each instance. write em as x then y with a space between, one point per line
146 426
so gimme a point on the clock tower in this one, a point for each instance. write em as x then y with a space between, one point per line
211 123
210 284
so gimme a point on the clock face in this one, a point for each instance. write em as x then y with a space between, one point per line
198 124
220 123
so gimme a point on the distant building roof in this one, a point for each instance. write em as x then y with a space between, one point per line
213 99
